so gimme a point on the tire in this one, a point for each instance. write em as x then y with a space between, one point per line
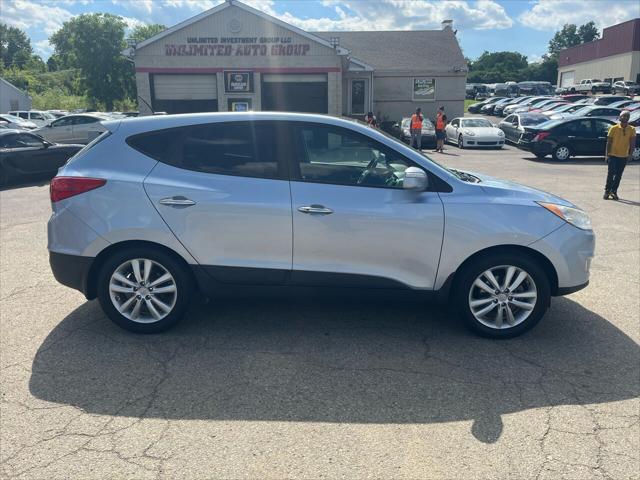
540 156
460 142
4 178
494 324
161 264
635 155
573 90
593 90
561 153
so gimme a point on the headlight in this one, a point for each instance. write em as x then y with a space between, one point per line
469 132
500 133
574 216
406 132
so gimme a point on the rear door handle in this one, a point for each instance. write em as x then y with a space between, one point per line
178 201
315 209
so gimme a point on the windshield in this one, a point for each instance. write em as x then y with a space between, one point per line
475 122
13 118
582 111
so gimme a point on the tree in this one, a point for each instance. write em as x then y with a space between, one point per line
142 32
15 46
93 43
588 32
498 67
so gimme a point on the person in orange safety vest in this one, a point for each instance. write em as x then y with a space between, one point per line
441 123
415 129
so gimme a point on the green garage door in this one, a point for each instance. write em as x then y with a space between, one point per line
295 93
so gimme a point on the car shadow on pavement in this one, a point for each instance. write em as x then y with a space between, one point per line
333 361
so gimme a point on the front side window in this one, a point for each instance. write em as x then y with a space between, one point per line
63 122
602 128
340 156
24 140
84 120
37 116
23 115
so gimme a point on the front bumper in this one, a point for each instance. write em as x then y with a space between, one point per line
477 141
570 250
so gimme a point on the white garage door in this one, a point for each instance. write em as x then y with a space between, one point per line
185 87
566 78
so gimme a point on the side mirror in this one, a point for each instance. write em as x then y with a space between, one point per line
396 126
415 179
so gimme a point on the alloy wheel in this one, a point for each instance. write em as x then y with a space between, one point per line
502 297
143 290
460 142
562 153
635 155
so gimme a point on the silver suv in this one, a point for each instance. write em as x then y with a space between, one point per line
159 208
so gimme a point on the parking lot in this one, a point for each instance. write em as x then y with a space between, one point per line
327 388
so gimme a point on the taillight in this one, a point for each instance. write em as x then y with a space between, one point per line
541 136
65 187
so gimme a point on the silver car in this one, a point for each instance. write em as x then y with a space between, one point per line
159 208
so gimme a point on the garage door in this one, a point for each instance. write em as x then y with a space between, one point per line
566 78
295 92
185 93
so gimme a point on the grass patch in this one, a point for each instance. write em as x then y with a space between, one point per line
468 102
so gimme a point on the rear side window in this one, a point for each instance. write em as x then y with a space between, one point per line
245 149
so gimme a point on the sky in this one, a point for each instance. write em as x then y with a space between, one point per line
524 26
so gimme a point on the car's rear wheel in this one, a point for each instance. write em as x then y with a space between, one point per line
540 156
502 295
561 153
144 290
635 155
460 142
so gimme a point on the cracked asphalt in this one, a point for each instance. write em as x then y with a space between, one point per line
326 388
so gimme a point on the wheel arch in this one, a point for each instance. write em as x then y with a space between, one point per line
92 275
544 262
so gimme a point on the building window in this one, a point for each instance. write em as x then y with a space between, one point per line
424 89
358 96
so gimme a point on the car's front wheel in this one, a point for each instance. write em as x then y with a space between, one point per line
144 290
460 142
635 155
502 296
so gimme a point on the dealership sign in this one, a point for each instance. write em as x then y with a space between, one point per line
237 46
424 89
235 82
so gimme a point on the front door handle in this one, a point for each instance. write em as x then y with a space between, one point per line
178 201
315 209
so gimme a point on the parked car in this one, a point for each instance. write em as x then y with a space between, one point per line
38 117
590 111
17 122
499 109
539 105
592 85
475 107
473 90
608 100
488 109
632 106
626 87
621 104
473 132
574 97
81 128
24 155
568 108
634 119
514 125
58 113
571 137
428 132
221 200
548 106
532 101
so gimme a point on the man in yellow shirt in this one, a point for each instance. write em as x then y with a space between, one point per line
620 144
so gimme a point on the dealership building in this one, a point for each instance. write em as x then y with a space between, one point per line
234 58
616 56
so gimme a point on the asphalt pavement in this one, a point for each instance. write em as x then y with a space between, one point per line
326 387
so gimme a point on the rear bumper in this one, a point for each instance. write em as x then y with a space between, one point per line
71 270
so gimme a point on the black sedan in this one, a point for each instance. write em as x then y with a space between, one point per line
571 137
514 125
24 156
475 107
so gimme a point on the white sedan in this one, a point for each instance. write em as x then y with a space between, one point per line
474 132
80 128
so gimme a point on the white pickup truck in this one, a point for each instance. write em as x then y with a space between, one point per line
592 85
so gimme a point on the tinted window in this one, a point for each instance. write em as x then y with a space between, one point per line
23 115
602 128
21 140
84 120
63 122
246 149
577 128
343 157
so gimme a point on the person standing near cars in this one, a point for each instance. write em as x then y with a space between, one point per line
371 120
441 122
620 145
415 128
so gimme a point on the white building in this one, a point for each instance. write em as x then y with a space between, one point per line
12 98
234 57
